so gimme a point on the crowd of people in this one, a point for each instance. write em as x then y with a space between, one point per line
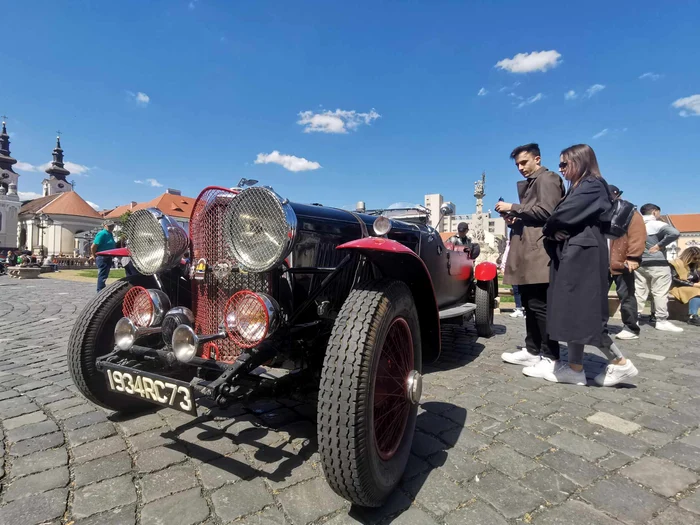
566 248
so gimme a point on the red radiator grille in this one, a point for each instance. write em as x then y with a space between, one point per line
210 295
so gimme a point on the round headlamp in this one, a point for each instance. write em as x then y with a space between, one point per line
124 333
259 229
145 307
382 225
184 343
156 241
174 318
250 317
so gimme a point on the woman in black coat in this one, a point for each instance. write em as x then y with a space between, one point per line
577 299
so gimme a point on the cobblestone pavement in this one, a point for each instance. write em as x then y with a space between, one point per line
493 447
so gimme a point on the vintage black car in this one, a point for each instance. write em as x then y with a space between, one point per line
265 295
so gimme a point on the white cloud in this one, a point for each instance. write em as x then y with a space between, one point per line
482 92
75 169
689 106
649 75
192 5
529 62
338 121
151 182
94 206
595 88
601 133
140 98
570 95
531 100
27 195
289 162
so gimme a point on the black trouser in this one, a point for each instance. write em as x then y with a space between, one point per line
628 301
537 341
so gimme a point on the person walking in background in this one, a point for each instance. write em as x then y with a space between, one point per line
655 273
526 265
578 290
625 257
685 286
104 240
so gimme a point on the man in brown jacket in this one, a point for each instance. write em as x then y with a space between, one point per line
625 257
528 262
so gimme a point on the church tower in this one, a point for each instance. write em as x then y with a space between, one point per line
56 183
9 200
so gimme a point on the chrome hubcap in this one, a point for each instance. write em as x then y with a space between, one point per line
414 386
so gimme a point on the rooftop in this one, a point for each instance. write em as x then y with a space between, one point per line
686 223
169 203
68 203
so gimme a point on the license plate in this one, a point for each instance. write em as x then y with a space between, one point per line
160 390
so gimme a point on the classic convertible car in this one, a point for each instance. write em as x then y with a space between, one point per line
267 295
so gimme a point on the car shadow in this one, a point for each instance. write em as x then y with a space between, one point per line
460 346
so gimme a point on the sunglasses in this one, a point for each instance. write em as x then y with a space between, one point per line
563 165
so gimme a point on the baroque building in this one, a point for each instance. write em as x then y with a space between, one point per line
9 200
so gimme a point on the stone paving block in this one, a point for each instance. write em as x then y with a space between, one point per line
477 513
498 412
660 475
535 426
613 422
577 425
36 483
434 424
119 516
396 503
75 410
490 427
654 438
524 443
465 440
157 458
270 516
507 460
39 461
137 424
412 516
675 516
41 508
62 404
29 446
692 439
509 497
103 496
101 469
660 424
628 445
234 501
572 467
549 483
624 500
437 493
184 508
97 449
151 438
283 466
574 512
457 465
30 431
92 433
167 481
424 445
691 503
577 445
615 461
84 420
225 470
685 455
416 466
26 419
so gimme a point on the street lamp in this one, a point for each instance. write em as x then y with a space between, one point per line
42 221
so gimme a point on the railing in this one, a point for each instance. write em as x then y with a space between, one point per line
73 262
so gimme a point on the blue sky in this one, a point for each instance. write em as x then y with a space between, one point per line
191 93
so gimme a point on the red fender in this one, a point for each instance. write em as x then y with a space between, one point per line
485 271
116 252
396 260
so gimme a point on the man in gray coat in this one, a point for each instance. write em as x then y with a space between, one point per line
528 262
655 273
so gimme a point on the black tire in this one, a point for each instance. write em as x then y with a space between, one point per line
483 317
93 336
349 453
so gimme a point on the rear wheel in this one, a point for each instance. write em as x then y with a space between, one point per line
484 299
93 337
370 388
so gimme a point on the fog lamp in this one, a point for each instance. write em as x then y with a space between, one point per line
184 343
125 333
250 317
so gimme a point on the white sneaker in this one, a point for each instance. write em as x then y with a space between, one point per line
626 335
615 374
521 357
546 365
565 374
518 312
667 326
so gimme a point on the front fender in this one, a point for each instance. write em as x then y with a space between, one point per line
399 262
